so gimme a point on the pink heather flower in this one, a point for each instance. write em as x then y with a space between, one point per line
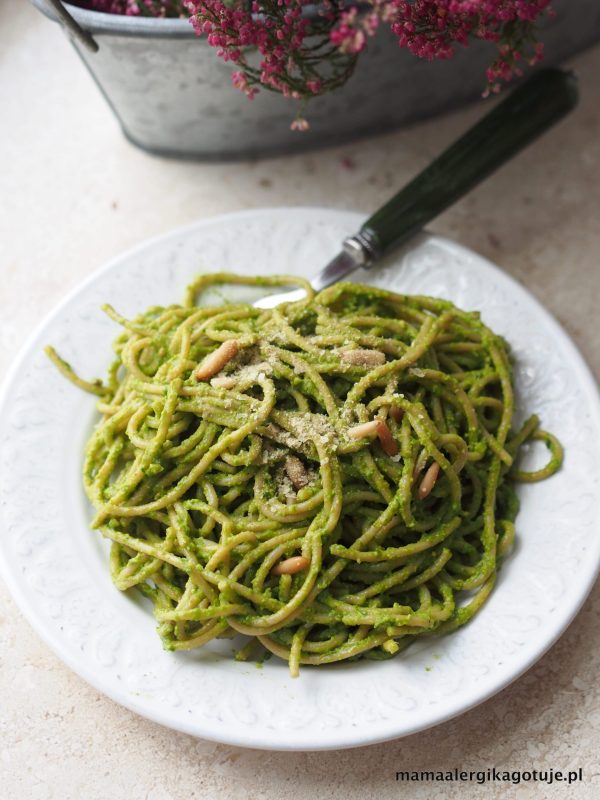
370 23
278 46
239 80
300 124
273 43
538 54
432 29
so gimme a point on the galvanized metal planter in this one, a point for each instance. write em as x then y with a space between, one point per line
173 96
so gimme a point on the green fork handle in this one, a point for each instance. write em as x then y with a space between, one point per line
516 122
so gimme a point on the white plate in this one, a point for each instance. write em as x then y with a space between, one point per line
56 568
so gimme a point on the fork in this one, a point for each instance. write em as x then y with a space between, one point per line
517 121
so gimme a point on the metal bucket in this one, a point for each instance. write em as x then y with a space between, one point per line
173 95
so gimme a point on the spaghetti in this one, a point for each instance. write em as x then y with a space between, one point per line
332 478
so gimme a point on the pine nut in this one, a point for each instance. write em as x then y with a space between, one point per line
215 361
290 566
428 481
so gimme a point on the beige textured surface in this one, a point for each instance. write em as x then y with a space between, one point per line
73 193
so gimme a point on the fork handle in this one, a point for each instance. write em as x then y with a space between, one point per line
513 124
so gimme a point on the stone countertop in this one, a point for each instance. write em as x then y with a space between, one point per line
74 193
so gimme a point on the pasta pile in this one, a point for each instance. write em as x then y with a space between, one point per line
332 477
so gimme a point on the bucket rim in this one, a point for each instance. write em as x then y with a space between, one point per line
119 24
144 27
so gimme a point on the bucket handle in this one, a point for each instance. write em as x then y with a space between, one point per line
73 28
